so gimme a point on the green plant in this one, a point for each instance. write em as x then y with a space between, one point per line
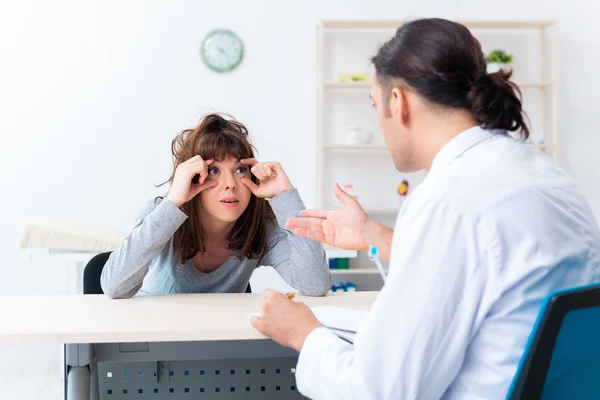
499 56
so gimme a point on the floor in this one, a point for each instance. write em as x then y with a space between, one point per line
31 372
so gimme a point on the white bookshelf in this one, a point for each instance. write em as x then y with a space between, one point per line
333 252
346 46
393 24
354 147
356 271
367 85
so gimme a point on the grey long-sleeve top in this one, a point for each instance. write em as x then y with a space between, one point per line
145 262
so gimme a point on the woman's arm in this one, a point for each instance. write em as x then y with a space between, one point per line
126 267
300 261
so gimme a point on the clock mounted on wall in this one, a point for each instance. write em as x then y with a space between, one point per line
222 50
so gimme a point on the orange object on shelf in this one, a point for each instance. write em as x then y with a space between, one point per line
403 188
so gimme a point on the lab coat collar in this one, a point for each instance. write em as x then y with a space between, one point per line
460 144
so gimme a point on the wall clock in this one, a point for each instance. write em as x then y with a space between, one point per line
222 50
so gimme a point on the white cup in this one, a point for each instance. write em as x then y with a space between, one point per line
358 136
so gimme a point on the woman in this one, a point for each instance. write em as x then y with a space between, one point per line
493 229
215 226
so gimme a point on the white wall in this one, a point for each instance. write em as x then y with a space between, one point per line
92 92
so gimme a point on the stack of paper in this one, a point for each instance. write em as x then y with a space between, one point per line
344 322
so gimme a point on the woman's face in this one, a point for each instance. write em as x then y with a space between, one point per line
228 200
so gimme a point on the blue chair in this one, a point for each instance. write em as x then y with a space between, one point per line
562 356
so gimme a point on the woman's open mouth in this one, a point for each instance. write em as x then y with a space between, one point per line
230 202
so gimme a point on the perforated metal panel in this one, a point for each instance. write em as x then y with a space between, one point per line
270 378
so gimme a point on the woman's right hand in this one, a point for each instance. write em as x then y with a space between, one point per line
344 229
182 188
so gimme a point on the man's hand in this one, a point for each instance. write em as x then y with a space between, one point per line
348 228
344 229
285 321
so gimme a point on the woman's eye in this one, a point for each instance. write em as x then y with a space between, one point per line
213 171
241 170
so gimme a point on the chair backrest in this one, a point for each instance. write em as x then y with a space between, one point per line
93 271
562 357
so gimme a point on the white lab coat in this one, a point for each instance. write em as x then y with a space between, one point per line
493 228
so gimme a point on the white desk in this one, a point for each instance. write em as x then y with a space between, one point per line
187 327
174 317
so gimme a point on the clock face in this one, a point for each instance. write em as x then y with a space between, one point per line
222 50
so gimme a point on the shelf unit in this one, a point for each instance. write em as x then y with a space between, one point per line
367 85
546 148
394 24
333 252
372 210
356 271
331 152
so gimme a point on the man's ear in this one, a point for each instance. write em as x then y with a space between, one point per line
399 106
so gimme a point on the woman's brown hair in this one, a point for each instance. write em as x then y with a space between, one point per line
217 137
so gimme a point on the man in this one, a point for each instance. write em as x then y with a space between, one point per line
493 228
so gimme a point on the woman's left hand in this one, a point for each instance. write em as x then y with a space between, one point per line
272 177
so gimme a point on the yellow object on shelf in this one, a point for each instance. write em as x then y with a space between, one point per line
353 77
403 188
